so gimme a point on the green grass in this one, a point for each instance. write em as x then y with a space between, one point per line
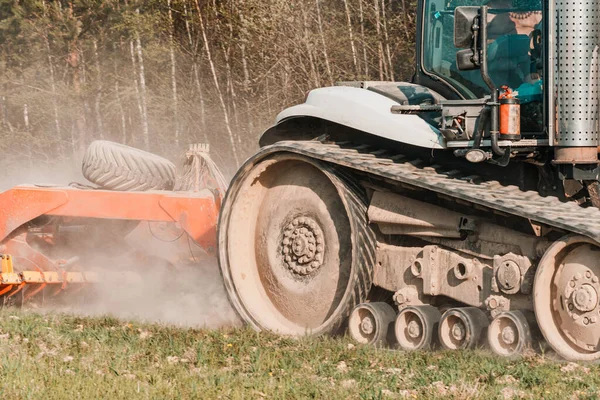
60 356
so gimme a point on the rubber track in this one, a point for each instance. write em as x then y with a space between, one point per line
118 167
507 199
363 243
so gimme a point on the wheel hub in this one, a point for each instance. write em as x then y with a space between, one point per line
459 331
367 325
414 329
585 299
509 336
303 246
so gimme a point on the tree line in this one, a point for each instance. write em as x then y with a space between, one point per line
161 74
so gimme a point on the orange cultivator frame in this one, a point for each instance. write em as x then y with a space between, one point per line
195 212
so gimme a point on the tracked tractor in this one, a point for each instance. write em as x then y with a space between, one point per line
457 209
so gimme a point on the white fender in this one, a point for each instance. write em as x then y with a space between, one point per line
366 111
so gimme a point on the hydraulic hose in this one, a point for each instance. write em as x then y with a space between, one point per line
496 149
483 121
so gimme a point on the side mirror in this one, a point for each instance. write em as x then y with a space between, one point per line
464 17
467 36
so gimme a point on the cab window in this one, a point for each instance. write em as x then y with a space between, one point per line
514 50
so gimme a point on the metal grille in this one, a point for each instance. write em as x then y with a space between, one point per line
577 80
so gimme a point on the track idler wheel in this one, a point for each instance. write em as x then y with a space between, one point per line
370 323
566 298
295 248
509 334
416 327
462 328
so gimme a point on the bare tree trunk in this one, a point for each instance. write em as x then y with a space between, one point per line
76 80
327 65
217 85
136 85
82 75
52 79
86 106
382 64
26 117
99 88
53 88
351 35
173 75
244 38
309 50
140 58
387 42
227 53
118 95
268 90
3 111
285 76
72 59
363 37
406 17
196 76
247 87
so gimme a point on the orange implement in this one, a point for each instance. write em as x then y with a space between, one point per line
196 213
35 254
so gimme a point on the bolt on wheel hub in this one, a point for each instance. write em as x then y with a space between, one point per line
458 331
509 335
367 325
303 246
414 329
585 298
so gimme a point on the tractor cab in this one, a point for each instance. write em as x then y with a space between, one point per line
514 41
526 69
450 52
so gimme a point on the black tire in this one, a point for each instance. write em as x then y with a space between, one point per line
266 200
118 167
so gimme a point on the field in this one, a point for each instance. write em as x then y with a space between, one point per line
57 356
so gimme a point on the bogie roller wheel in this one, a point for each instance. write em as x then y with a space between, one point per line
462 328
509 334
370 323
566 297
295 249
416 327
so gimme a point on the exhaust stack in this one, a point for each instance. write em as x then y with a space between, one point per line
577 81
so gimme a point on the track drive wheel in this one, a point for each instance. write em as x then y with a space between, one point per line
370 323
295 249
509 334
416 327
566 297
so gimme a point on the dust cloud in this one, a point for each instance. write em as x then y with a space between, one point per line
157 279
56 174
